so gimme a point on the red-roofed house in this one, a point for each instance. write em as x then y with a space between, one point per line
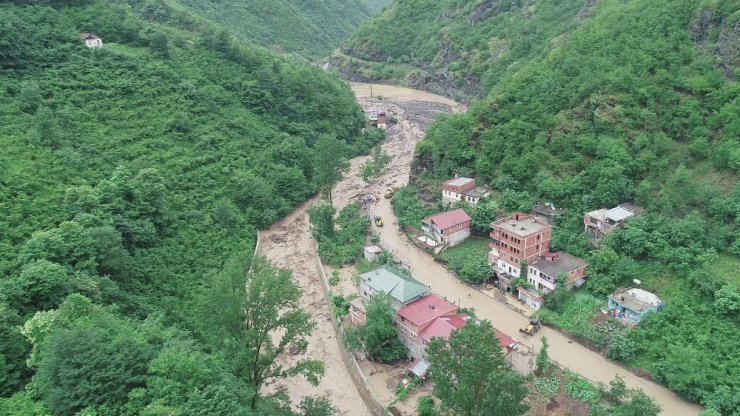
507 343
451 227
417 322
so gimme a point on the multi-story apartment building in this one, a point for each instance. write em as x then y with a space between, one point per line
517 238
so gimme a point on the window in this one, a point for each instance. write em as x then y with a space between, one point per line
538 237
593 220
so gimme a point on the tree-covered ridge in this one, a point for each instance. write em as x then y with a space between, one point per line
464 48
131 173
638 103
310 28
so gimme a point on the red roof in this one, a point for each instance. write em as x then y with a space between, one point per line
506 341
443 326
449 219
424 310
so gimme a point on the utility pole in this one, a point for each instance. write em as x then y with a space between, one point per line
371 91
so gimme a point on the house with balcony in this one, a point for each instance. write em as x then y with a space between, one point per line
632 304
447 228
515 239
603 221
543 275
463 189
424 319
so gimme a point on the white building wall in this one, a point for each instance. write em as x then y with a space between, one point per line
458 237
534 278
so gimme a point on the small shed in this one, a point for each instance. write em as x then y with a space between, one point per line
372 252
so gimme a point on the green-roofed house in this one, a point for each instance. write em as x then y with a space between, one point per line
388 279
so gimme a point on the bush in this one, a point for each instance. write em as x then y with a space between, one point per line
548 386
470 260
426 407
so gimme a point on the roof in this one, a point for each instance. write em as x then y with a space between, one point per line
449 219
636 299
424 310
546 209
443 326
618 214
373 249
637 210
505 340
565 263
387 280
358 304
419 367
477 192
522 227
87 35
459 181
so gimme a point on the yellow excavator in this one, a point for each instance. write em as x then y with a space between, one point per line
378 221
532 328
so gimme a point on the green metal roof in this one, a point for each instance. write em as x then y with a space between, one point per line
390 281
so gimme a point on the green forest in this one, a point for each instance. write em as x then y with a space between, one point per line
307 28
133 179
622 101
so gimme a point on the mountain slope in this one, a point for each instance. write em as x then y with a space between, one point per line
132 173
464 48
309 28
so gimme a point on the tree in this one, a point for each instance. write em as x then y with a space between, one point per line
379 333
426 407
316 406
330 163
483 215
30 97
321 217
468 370
617 389
268 323
640 404
556 299
622 347
41 285
543 358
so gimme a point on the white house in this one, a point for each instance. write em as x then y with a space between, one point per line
91 41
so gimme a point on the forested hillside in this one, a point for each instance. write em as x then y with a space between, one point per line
464 48
623 101
308 28
133 178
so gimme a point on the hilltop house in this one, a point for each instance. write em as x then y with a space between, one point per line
91 41
603 221
463 189
449 228
515 239
424 319
543 273
633 304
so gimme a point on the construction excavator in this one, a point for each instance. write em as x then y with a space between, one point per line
532 328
